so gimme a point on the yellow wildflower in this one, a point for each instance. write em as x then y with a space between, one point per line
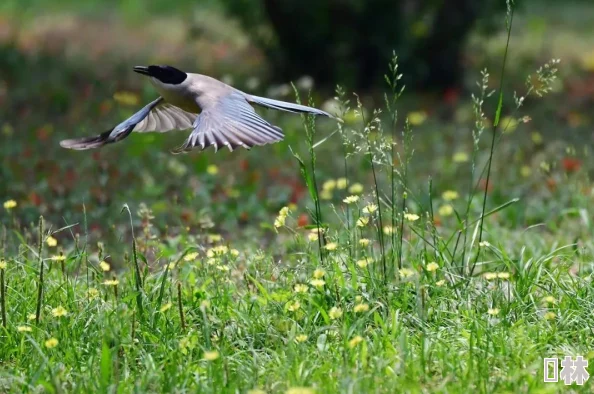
411 217
126 98
445 210
59 311
361 308
525 171
300 390
31 316
550 299
389 230
51 343
493 311
433 266
301 288
364 242
10 204
355 341
214 238
490 275
3 264
319 273
210 355
317 283
234 252
191 256
406 272
326 195
301 338
370 209
460 157
509 124
335 313
362 221
223 268
312 236
363 262
165 307
104 265
356 188
484 244
417 118
503 275
59 257
440 283
329 185
331 246
51 242
92 292
111 282
293 306
550 315
449 195
24 329
341 183
350 199
212 169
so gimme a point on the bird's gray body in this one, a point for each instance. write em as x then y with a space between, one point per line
218 114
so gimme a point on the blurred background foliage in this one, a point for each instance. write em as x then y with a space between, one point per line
65 71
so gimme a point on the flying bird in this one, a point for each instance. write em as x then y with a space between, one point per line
218 114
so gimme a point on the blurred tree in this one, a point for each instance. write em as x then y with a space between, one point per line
351 41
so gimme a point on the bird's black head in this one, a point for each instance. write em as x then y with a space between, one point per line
166 74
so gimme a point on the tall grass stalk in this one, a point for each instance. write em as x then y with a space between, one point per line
138 279
40 280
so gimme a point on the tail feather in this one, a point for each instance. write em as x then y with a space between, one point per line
288 107
95 142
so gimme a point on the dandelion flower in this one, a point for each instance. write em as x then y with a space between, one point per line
294 306
51 343
210 355
503 275
360 308
59 311
312 236
165 307
211 261
411 217
234 252
301 338
341 183
363 262
301 288
329 185
445 210
335 313
104 265
10 204
355 341
3 264
351 199
356 188
212 169
111 282
406 272
460 157
24 329
550 315
319 273
493 311
362 221
331 246
388 230
317 283
490 275
51 242
440 283
191 256
432 266
449 195
370 209
364 242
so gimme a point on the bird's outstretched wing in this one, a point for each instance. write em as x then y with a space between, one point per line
156 116
285 106
230 121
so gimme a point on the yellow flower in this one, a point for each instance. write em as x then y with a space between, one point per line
126 98
389 230
51 242
329 185
460 157
355 341
411 217
363 262
319 273
331 246
341 183
51 343
280 221
10 204
213 238
210 355
217 251
417 118
503 275
300 390
550 299
171 266
525 171
449 195
361 308
211 261
301 338
191 256
351 199
223 268
406 272
312 236
356 188
31 316
433 266
440 283
293 306
317 282
255 391
550 315
92 292
165 307
362 221
234 252
3 264
212 169
301 288
111 282
493 311
445 210
326 195
335 313
59 257
59 311
104 265
484 244
536 138
509 124
370 208
24 329
284 211
490 275
364 242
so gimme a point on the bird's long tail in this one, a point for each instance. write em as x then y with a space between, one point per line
285 106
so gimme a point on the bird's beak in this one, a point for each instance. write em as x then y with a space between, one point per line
142 70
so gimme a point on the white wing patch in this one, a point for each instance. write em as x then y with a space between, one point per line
166 117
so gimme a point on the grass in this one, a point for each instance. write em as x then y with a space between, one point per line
378 259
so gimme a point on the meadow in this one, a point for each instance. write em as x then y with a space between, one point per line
424 244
